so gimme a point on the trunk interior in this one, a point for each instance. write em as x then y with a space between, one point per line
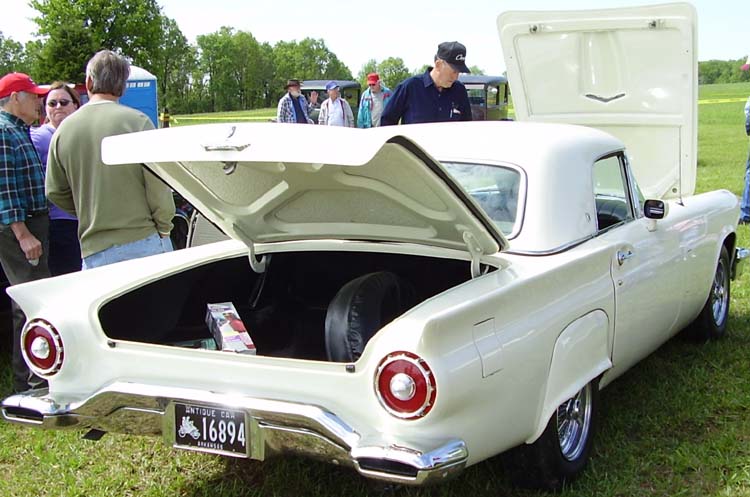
283 309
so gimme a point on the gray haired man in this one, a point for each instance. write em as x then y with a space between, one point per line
123 212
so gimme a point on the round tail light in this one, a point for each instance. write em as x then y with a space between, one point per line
42 347
405 385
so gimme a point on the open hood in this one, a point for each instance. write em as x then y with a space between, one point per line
276 182
632 72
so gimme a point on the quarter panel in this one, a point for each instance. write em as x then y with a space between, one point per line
529 302
581 354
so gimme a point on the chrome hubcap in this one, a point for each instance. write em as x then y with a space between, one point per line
574 424
720 294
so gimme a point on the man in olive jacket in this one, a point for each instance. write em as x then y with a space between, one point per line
123 211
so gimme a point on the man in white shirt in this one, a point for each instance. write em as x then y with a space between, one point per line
335 111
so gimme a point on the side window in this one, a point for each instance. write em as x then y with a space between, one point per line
611 193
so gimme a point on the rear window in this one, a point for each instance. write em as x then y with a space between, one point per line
497 189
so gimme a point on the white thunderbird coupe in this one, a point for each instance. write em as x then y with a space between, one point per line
420 298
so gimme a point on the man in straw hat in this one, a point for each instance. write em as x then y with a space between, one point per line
293 106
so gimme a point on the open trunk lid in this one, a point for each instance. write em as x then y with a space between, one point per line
273 182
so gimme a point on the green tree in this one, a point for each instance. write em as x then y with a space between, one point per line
214 49
172 63
64 54
370 66
236 68
393 71
306 59
132 28
12 56
722 71
268 71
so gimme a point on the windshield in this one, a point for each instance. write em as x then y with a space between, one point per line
497 190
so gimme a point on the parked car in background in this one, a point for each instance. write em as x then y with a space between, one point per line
425 298
488 95
350 91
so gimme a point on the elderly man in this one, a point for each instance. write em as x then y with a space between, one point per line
372 103
124 212
335 111
293 107
23 209
434 96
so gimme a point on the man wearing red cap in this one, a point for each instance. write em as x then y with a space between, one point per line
23 207
372 103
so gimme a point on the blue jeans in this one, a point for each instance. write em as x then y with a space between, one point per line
150 245
745 203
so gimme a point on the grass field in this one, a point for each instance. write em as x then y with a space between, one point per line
255 115
677 424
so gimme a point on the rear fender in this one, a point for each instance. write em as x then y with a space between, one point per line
581 354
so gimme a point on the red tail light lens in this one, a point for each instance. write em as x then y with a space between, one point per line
405 385
42 347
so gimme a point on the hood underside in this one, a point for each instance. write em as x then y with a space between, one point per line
632 72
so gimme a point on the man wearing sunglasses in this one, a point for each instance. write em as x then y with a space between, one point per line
23 208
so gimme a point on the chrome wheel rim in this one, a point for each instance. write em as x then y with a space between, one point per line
574 424
720 294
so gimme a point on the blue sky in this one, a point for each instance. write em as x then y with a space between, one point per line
359 31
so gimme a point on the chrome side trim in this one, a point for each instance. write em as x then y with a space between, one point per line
552 251
275 427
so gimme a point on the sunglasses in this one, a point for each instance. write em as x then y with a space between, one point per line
53 103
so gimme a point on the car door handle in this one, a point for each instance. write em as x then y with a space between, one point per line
624 255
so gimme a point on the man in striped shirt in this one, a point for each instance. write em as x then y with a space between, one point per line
23 207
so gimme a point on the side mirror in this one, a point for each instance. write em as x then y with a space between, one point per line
655 209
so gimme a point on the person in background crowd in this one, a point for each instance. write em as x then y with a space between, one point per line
124 212
24 222
64 249
434 96
293 107
335 111
373 100
745 202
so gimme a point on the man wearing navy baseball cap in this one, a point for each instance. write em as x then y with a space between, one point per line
23 207
434 96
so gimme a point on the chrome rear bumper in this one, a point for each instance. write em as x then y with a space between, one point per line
275 427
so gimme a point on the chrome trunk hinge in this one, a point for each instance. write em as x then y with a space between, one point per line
258 265
475 252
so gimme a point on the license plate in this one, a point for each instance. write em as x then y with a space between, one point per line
210 429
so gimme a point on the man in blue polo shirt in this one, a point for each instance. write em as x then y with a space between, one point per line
434 96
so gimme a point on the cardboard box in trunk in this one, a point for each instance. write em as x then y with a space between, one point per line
228 329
